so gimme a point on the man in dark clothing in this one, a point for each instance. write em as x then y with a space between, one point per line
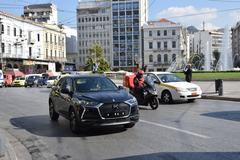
138 82
188 73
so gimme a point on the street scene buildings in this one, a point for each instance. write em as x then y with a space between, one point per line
165 43
30 46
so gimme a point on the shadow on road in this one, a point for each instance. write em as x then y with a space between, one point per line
41 125
227 115
185 156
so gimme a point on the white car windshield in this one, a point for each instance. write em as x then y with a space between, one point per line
166 78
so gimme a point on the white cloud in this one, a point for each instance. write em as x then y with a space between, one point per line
235 17
175 13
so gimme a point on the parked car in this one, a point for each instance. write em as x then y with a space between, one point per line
50 81
92 100
171 88
18 82
1 79
31 80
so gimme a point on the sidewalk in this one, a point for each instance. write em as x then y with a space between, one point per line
231 90
11 148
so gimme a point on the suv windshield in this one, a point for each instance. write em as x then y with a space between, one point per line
94 84
20 78
165 78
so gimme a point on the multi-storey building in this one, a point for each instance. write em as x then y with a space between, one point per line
207 42
94 27
236 45
127 18
30 46
41 13
115 25
165 43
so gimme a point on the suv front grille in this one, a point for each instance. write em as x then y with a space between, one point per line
114 110
91 113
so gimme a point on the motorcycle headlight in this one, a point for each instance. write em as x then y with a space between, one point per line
182 89
87 103
132 101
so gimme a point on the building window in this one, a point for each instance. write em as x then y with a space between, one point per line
150 45
46 53
165 58
150 33
46 35
158 33
165 33
50 38
3 47
9 48
14 32
38 37
2 29
30 51
174 32
159 58
150 58
8 30
173 57
20 32
165 45
159 45
173 44
55 39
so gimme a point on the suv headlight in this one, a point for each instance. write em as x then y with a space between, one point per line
87 103
132 101
181 89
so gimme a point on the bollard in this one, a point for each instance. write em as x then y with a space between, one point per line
219 86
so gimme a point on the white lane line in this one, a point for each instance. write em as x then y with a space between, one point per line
176 129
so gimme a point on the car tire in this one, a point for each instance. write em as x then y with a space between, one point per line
129 125
74 122
52 113
166 97
191 100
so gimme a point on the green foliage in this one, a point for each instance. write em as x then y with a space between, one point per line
216 55
96 57
212 75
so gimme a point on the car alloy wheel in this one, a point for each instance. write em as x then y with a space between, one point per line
74 126
53 114
166 97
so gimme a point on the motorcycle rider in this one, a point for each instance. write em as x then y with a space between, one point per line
139 82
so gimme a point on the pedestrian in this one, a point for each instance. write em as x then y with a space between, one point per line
188 73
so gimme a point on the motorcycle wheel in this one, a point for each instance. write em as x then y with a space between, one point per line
154 103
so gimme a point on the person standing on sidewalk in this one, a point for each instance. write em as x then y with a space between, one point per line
188 73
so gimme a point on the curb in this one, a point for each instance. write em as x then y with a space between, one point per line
13 149
221 98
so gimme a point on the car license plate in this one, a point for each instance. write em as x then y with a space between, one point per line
116 114
194 93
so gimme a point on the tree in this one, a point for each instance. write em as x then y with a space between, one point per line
96 60
216 55
197 61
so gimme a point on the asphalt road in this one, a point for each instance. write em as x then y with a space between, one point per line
204 130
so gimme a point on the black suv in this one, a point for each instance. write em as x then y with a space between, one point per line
92 100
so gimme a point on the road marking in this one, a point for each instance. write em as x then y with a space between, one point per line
176 129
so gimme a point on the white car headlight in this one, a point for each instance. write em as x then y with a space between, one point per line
181 89
87 103
132 101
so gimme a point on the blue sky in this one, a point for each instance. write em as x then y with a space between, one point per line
158 9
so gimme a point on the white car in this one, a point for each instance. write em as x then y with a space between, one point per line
50 81
171 88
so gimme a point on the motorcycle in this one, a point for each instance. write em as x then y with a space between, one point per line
149 94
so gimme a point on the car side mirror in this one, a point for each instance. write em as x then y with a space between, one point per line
156 82
121 87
